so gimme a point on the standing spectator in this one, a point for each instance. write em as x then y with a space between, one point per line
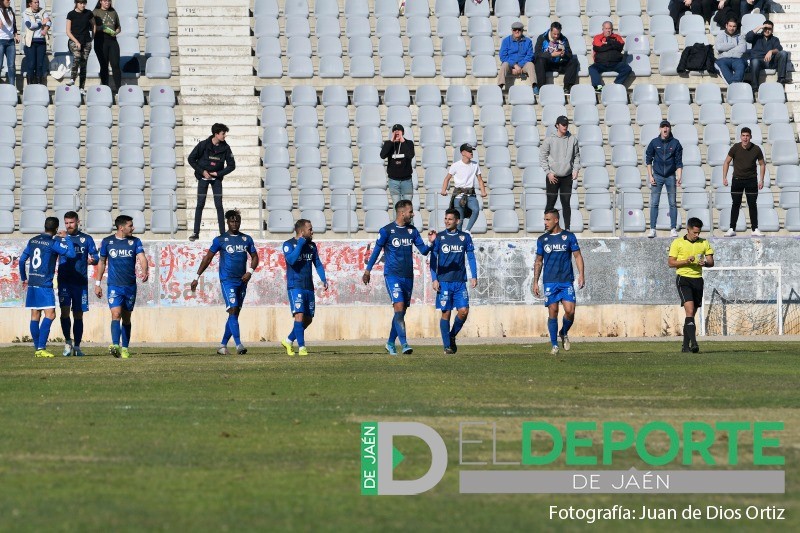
664 159
106 46
399 153
553 53
37 28
560 159
516 55
466 176
704 8
766 52
80 27
8 40
211 160
608 57
744 155
730 47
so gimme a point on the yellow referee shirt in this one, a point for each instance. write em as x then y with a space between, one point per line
682 249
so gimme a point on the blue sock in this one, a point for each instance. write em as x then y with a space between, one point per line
227 335
35 333
44 332
552 327
126 334
444 327
77 331
299 334
292 337
565 325
392 333
116 331
233 324
400 326
66 326
457 325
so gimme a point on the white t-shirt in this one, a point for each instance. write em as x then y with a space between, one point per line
465 175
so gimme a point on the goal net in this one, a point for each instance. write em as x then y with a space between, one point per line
742 301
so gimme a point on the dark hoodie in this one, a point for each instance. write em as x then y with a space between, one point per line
206 156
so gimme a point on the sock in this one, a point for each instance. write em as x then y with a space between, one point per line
77 331
66 326
44 332
444 327
689 329
457 325
392 333
400 326
565 325
35 333
299 334
552 327
116 331
227 335
233 326
126 334
292 337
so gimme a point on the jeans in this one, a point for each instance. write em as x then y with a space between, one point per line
400 190
622 69
474 206
748 186
202 192
563 188
36 59
8 50
732 68
778 62
655 199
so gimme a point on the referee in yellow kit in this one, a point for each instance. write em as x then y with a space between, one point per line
688 255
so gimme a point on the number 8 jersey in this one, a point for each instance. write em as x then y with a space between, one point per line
43 251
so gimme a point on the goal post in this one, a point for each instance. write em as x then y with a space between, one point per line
742 300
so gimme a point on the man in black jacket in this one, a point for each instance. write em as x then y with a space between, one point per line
399 153
553 53
766 52
211 160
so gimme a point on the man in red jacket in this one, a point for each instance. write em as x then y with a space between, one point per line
608 57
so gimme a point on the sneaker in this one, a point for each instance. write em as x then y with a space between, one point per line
565 343
407 350
598 89
673 232
536 91
756 11
757 233
453 344
554 350
193 237
302 351
223 350
124 353
448 351
241 350
730 233
694 347
44 353
114 350
82 91
685 349
70 82
77 352
67 350
390 347
651 234
288 345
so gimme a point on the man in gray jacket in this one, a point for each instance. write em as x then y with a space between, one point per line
730 47
561 161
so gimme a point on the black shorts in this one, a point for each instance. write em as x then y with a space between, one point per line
690 290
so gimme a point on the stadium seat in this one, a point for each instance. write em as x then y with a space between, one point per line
590 135
7 221
34 178
35 115
158 68
601 221
739 93
593 156
620 134
775 113
31 221
788 176
525 135
551 112
784 153
552 94
632 220
780 132
628 179
614 94
35 94
685 133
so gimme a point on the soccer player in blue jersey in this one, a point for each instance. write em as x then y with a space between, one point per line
121 251
554 252
234 249
396 240
300 253
449 274
43 252
73 284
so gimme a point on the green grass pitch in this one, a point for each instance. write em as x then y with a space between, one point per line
184 440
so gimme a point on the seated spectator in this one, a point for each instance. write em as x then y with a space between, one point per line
552 53
516 55
730 47
704 8
608 57
759 6
766 52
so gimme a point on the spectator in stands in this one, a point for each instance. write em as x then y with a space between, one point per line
730 47
755 6
466 176
766 52
560 159
744 156
516 55
80 27
608 57
8 40
704 8
37 28
211 160
399 154
106 47
553 53
664 159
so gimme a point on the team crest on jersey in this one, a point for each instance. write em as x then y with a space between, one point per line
111 300
461 238
286 248
130 242
563 237
225 239
547 248
297 305
442 237
83 240
232 299
409 230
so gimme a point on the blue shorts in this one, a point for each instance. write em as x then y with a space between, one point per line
452 295
124 297
75 296
558 292
40 298
302 301
233 292
399 289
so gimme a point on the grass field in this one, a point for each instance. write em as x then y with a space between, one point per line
181 440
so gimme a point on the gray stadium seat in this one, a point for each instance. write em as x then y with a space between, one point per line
338 136
101 136
716 154
712 113
528 157
308 179
163 221
497 156
98 156
739 93
67 95
304 116
501 178
691 155
279 199
303 95
551 112
278 178
129 95
680 114
67 178
99 95
693 178
442 7
162 156
454 66
716 134
676 93
34 178
9 138
7 221
375 219
99 115
781 132
592 156
31 221
743 113
8 95
280 221
784 153
458 95
328 26
334 95
344 221
448 26
492 136
163 178
131 199
339 156
386 26
685 133
374 199
98 221
524 135
554 95
523 115
423 67
665 43
707 93
35 94
67 135
99 178
620 134
627 178
34 156
272 95
624 155
273 116
362 67
591 134
131 178
341 178
431 136
617 114
601 221
771 92
35 115
305 136
131 116
130 156
614 94
776 113
33 199
585 114
8 116
7 158
34 136
311 199
158 68
317 219
307 156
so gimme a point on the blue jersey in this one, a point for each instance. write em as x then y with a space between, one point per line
74 271
234 252
121 256
300 255
556 250
396 242
43 251
447 256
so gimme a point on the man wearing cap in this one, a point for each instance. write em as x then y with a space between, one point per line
664 159
516 55
399 153
560 160
466 176
608 57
